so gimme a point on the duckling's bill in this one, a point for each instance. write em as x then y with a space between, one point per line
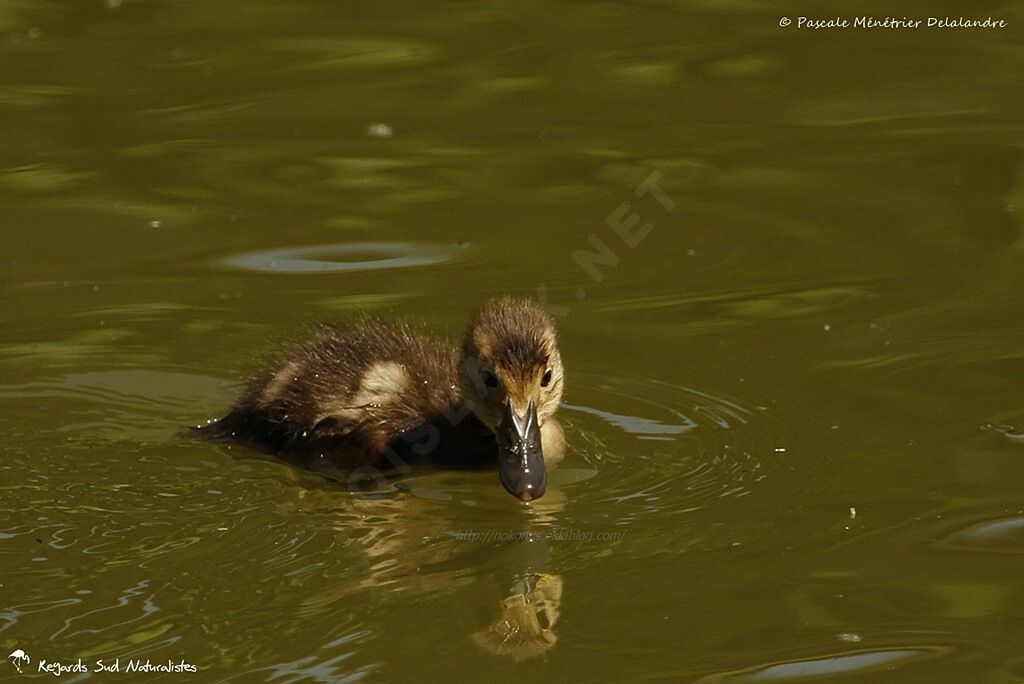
520 455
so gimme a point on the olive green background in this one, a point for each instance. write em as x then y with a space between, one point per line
795 406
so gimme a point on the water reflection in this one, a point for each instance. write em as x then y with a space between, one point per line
525 627
1005 535
352 256
638 425
418 544
845 663
347 53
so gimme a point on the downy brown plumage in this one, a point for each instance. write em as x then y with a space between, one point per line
379 396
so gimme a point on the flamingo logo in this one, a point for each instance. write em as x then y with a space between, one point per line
19 658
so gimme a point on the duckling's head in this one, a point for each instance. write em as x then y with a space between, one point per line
511 377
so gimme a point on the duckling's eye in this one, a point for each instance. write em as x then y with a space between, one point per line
490 379
546 380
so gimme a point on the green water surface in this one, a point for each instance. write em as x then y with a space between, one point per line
788 271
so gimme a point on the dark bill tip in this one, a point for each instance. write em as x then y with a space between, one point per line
520 456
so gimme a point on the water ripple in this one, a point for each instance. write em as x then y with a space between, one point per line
833 665
338 257
674 450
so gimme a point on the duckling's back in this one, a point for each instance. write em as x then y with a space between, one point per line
353 397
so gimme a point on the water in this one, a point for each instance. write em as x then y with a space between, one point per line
786 267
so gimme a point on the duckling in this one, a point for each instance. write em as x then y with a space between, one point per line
382 398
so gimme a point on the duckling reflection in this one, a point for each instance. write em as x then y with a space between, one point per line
414 544
505 594
380 397
525 626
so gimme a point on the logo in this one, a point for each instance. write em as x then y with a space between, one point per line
21 662
19 658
